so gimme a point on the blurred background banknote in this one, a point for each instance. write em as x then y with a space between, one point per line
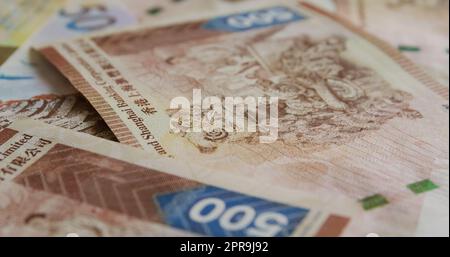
356 118
358 121
156 11
152 197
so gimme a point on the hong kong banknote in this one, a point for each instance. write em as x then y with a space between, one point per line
419 28
168 11
31 88
354 117
57 182
19 19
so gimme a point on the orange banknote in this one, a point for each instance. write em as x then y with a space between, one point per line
30 87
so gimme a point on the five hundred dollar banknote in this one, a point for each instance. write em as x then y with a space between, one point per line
57 182
354 117
426 42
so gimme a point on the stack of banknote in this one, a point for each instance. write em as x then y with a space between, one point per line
355 142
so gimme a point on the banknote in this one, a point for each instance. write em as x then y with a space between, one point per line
426 42
352 116
56 182
27 75
19 19
32 88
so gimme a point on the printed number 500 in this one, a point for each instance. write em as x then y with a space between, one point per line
88 18
266 224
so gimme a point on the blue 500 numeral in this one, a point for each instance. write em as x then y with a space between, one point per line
267 224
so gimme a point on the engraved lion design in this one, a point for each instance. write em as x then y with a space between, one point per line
324 99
